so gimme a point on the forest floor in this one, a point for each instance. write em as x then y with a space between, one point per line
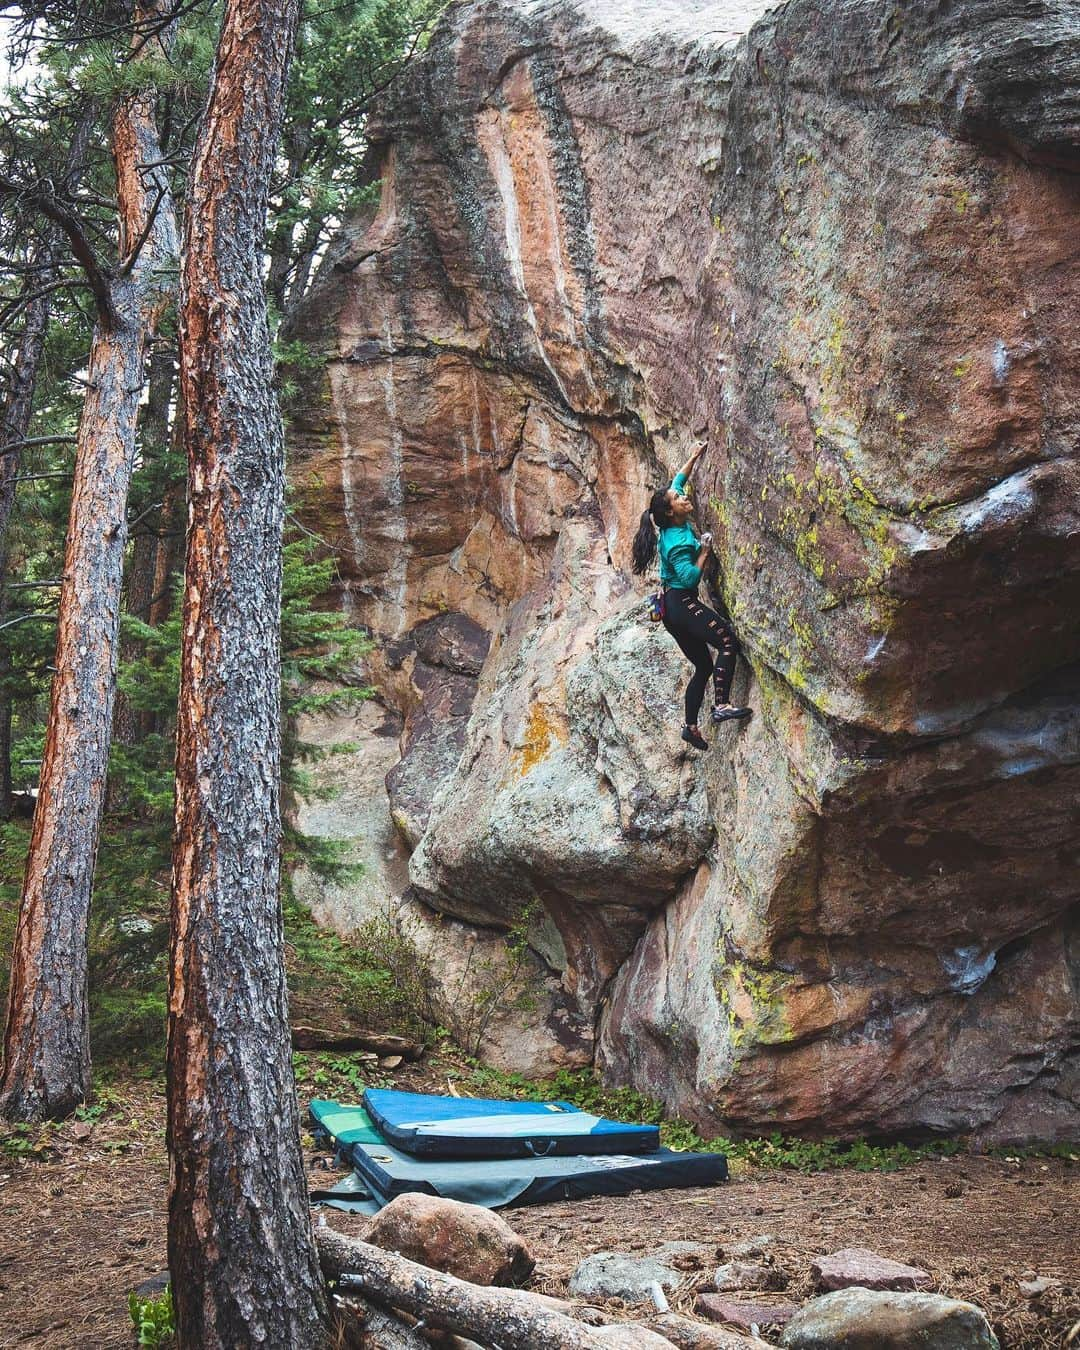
83 1221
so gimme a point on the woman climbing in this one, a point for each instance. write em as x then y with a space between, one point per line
694 627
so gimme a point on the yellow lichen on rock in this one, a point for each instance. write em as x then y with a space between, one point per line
544 731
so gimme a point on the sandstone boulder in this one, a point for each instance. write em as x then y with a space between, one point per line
860 1319
499 1000
351 808
838 242
463 1240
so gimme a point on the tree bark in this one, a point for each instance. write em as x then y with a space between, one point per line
502 1317
7 801
128 723
690 1335
168 556
46 1046
371 1328
241 1253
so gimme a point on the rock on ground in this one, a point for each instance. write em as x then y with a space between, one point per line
863 1319
745 1275
848 262
744 1312
759 1245
864 1268
620 1275
463 1240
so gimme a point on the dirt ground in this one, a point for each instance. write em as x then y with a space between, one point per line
84 1221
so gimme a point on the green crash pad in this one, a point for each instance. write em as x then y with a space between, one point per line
345 1125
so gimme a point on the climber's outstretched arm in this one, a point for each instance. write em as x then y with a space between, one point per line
695 454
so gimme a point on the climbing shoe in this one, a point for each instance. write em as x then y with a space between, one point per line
694 738
730 714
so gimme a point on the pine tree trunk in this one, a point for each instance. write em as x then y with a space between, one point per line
306 251
129 724
46 1045
169 554
241 1253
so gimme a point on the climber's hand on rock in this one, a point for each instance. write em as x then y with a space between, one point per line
695 454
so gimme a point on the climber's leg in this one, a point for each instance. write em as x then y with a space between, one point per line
727 650
708 626
697 653
696 650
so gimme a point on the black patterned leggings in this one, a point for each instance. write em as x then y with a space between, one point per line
696 628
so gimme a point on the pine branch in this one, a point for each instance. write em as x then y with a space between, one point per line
29 441
75 229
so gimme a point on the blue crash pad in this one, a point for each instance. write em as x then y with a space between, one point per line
477 1127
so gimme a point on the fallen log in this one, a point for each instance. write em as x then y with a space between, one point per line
690 1335
499 1317
379 1043
374 1329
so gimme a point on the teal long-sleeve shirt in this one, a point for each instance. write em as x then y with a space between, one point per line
679 547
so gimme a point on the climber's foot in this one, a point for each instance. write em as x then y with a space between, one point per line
726 712
694 737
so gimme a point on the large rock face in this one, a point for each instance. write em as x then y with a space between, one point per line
840 240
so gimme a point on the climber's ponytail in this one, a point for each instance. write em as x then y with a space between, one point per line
643 550
644 546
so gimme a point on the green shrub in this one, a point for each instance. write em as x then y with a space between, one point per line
154 1318
376 977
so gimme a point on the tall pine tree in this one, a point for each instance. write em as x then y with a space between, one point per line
241 1253
46 1044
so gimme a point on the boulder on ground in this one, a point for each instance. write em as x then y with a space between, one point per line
463 1240
865 1319
858 1267
620 1275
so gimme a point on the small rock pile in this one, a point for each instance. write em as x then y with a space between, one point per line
867 1302
863 1301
